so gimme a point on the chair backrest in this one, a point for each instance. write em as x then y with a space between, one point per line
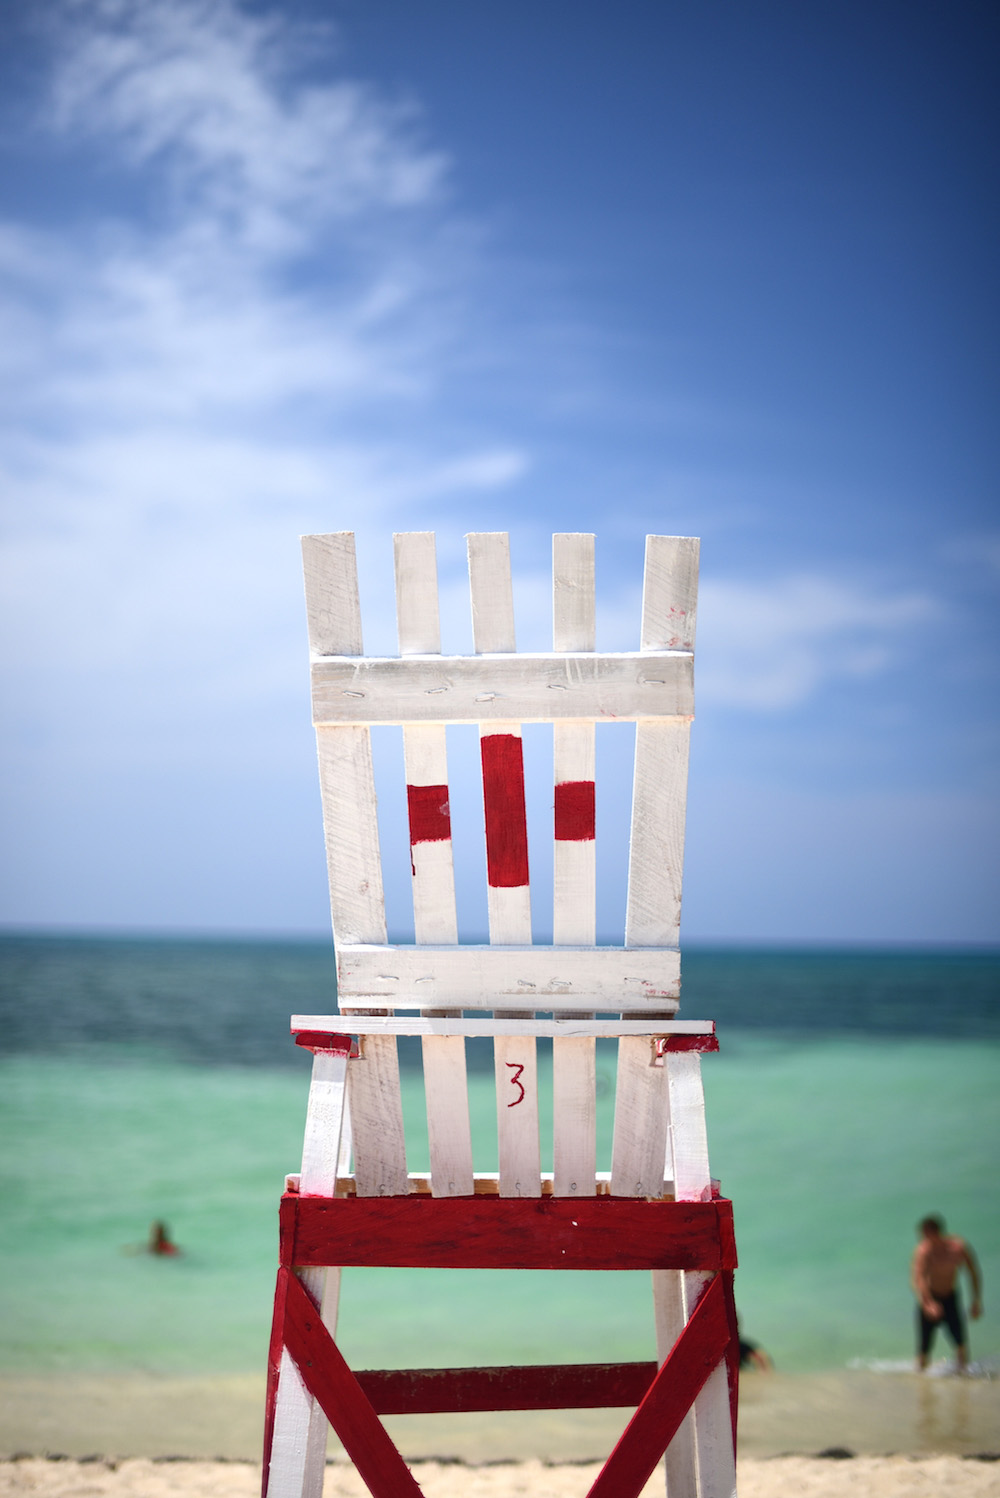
513 990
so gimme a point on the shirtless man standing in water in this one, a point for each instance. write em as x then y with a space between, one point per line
934 1272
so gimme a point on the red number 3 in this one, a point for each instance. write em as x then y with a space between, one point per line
518 1068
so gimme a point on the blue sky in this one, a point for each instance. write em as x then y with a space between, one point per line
703 269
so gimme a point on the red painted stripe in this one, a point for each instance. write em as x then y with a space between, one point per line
575 811
430 815
503 798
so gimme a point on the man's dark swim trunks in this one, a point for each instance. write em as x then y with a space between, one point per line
951 1317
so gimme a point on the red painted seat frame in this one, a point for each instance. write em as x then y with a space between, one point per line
505 1233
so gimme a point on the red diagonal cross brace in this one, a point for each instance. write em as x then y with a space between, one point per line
703 1343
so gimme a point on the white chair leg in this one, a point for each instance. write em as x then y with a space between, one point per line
680 1465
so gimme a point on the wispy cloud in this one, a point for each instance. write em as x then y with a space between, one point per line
247 350
768 646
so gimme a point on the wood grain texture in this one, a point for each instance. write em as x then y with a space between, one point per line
516 1074
350 824
656 845
638 1151
333 607
574 1112
377 1119
324 1123
519 975
621 687
448 1131
417 619
574 906
692 1176
508 900
495 1232
570 1026
491 592
670 1315
573 611
670 593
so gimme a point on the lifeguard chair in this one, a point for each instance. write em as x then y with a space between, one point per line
657 1208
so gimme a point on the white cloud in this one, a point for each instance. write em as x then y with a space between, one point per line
198 84
769 646
184 392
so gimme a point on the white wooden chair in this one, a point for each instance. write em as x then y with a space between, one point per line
656 1208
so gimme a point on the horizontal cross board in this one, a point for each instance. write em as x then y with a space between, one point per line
553 1386
509 977
701 1033
494 1232
517 686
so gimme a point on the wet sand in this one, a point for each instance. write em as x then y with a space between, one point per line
146 1416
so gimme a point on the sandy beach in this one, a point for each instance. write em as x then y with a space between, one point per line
776 1477
199 1438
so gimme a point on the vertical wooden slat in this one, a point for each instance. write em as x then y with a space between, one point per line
659 797
639 1145
574 913
508 890
354 863
692 1177
333 609
298 1450
656 855
670 1315
432 863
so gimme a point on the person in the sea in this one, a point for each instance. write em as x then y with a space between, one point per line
160 1241
752 1355
937 1259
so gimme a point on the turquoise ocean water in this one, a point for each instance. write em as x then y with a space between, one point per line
854 1092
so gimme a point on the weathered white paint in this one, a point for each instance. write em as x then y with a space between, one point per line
607 979
656 848
324 1123
377 1119
692 1182
333 609
445 1083
692 1176
509 908
491 592
680 1462
350 824
714 1436
517 1115
670 593
639 1144
300 1426
607 687
574 912
510 915
417 619
527 1024
447 1100
573 611
574 1115
659 797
